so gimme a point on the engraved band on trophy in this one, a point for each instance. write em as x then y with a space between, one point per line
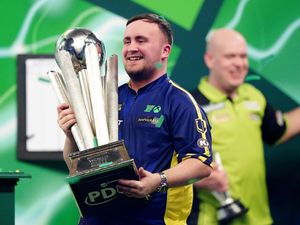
230 208
89 84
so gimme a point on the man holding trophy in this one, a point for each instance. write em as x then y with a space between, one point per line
163 128
242 120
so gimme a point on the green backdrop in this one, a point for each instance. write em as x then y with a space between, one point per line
272 29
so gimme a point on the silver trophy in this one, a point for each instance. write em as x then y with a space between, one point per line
230 208
89 84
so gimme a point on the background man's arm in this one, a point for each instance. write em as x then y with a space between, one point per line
293 125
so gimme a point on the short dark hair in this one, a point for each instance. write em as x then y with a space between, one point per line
162 23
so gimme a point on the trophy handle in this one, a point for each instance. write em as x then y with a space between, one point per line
62 95
230 208
223 197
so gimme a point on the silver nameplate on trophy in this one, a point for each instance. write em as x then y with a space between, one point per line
98 158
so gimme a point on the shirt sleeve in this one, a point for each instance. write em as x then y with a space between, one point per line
273 125
191 132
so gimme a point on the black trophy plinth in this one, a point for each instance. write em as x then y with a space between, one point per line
227 212
95 174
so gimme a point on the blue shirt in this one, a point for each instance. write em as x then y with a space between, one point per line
162 125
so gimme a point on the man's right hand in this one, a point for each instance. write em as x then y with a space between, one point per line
66 118
217 181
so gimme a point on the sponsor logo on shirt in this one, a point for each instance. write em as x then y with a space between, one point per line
213 107
220 118
156 121
120 106
254 117
279 118
119 122
202 143
201 125
252 105
153 108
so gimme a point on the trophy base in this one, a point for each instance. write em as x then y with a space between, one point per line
103 156
95 175
228 212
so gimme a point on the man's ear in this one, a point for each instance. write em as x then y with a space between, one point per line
208 59
166 51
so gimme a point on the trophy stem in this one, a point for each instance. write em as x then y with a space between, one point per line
76 99
61 92
94 81
111 89
82 75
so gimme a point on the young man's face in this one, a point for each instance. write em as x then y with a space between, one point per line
143 49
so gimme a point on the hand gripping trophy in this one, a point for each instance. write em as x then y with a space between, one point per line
101 159
230 208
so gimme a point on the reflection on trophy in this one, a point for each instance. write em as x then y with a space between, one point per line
89 84
230 208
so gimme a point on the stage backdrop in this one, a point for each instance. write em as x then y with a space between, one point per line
272 29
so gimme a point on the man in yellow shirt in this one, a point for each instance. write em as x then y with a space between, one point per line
241 120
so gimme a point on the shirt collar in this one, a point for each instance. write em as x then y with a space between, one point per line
212 93
215 95
153 85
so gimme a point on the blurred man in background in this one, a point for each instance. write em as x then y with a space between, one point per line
241 119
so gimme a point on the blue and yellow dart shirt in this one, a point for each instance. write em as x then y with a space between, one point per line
162 125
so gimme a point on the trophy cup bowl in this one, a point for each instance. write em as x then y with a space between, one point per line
74 41
102 159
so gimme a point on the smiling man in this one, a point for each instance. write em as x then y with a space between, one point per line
226 57
241 120
163 128
146 49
